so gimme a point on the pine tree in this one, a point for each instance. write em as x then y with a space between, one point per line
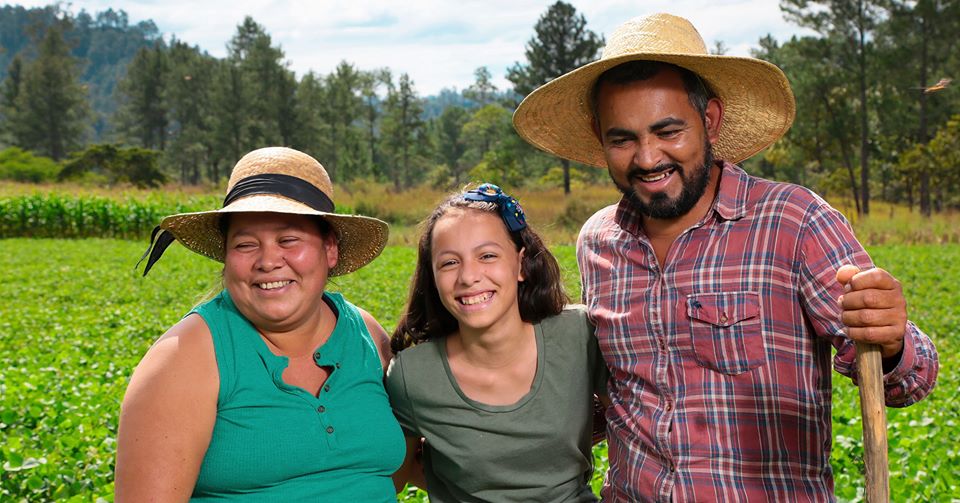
403 128
449 138
371 115
343 157
562 43
854 22
9 110
483 91
143 113
188 94
52 104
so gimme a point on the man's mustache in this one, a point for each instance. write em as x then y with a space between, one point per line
637 171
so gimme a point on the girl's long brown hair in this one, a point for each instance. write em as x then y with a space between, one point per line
540 295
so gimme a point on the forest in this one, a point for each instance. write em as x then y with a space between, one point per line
97 99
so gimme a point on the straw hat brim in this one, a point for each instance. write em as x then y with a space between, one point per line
758 106
360 239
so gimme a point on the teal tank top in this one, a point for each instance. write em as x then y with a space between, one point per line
275 442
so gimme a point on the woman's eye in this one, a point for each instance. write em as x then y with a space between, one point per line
488 256
243 246
289 240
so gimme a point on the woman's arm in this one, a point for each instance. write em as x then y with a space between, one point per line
411 471
380 338
167 416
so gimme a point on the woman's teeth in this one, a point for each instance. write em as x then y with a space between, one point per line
273 284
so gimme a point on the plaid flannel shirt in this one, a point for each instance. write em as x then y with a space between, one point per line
720 360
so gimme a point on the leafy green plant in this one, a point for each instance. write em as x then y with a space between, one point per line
77 318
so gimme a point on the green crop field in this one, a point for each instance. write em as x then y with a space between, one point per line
76 318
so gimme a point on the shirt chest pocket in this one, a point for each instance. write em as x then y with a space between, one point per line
726 331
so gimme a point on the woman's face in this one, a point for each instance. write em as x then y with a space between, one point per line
476 267
275 268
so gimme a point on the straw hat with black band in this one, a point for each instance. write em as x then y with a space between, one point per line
274 180
758 103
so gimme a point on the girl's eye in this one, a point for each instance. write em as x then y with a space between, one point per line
446 264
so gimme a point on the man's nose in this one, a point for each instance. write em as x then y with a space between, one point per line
647 154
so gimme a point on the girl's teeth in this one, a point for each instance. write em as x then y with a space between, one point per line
476 299
272 285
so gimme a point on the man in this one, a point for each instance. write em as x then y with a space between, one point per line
716 295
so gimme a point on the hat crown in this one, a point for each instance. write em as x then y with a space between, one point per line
284 161
655 34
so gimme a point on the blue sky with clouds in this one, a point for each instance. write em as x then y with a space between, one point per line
439 43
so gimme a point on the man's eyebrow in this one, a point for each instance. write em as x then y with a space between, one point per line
620 132
669 121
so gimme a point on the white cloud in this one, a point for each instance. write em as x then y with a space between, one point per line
439 43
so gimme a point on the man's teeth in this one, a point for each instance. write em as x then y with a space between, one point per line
273 284
476 299
655 177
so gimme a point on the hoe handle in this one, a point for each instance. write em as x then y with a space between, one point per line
874 413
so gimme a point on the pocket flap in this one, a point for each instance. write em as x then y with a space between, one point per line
723 309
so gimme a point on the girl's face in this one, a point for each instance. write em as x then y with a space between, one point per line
476 267
276 268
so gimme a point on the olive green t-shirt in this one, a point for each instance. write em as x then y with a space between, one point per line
537 449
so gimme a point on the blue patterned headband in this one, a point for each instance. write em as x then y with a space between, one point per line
510 209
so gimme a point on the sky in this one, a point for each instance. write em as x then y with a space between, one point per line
439 43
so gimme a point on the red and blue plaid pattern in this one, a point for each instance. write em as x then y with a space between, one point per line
720 360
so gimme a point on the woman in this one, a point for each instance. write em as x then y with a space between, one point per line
501 380
273 389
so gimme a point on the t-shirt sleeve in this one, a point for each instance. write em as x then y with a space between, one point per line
396 386
597 366
599 371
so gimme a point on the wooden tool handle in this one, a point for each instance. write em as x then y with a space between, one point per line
870 364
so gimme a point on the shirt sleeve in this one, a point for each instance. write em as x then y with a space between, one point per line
396 386
827 242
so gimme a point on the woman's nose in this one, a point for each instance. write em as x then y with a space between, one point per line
271 257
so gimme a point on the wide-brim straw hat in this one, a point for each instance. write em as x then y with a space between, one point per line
758 103
299 176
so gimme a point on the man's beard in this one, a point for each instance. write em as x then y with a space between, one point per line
660 205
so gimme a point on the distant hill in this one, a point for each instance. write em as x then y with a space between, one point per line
104 43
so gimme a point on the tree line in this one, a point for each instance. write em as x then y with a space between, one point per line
872 120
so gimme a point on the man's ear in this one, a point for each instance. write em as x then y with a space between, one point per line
713 118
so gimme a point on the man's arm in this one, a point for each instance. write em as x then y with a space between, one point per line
867 306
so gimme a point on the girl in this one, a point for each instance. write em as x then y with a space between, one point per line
493 372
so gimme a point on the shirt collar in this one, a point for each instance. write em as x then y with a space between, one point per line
732 198
730 204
